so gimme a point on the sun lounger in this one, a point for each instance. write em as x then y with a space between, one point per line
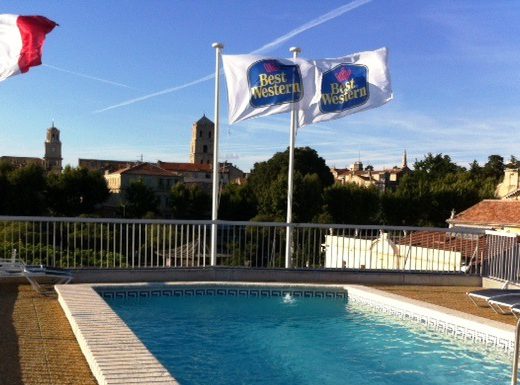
515 309
16 268
481 297
503 304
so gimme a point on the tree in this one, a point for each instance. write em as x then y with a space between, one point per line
140 200
237 203
513 162
268 181
5 186
436 166
190 202
408 205
26 191
76 191
351 203
494 168
426 197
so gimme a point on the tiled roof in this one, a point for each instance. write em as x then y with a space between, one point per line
490 212
145 169
466 244
185 167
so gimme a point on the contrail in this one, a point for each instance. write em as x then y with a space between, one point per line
166 91
88 76
311 24
265 48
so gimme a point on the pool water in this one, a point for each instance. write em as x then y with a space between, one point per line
285 340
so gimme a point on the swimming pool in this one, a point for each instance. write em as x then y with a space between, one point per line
237 335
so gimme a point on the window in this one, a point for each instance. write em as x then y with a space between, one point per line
205 149
200 133
209 134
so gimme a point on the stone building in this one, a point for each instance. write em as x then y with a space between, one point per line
202 141
383 180
510 186
104 166
52 159
160 181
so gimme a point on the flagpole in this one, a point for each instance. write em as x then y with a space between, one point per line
288 241
214 205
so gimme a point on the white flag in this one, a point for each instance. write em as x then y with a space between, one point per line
261 86
347 85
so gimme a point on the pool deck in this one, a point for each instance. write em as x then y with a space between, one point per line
37 344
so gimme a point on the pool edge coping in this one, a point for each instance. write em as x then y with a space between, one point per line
88 313
480 330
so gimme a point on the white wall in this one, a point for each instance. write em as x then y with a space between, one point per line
382 253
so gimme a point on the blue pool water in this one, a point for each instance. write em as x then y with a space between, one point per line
229 340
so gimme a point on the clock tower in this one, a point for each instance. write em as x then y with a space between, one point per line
52 158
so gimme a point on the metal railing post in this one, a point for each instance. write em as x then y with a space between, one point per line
514 375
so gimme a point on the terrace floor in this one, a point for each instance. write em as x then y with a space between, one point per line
37 346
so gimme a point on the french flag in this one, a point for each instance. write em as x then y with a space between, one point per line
21 42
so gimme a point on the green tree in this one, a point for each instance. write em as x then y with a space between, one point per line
408 205
190 202
139 200
76 191
436 166
26 191
237 203
351 204
494 168
5 186
513 162
437 186
268 181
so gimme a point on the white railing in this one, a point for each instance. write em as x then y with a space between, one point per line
122 243
504 256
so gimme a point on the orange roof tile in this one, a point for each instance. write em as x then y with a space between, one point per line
185 167
490 212
466 244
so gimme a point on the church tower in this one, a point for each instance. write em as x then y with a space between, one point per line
405 161
202 141
52 158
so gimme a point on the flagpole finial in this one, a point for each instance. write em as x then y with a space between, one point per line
296 50
217 45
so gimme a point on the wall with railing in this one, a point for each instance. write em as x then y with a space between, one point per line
121 243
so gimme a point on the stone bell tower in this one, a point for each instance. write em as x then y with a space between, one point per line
202 141
52 158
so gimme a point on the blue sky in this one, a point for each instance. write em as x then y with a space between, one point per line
455 68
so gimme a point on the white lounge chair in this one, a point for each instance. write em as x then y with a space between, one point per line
14 267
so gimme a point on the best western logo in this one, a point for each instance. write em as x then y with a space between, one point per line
344 87
272 83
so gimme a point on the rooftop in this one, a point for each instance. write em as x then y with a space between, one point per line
491 213
40 348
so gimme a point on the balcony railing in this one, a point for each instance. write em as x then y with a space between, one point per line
121 243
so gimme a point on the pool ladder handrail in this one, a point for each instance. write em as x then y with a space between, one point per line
514 376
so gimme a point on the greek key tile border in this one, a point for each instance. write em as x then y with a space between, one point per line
132 292
456 331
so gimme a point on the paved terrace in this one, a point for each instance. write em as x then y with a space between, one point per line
37 346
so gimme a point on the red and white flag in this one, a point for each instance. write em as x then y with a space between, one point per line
21 42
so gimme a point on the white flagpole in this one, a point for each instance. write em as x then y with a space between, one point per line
216 179
288 242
